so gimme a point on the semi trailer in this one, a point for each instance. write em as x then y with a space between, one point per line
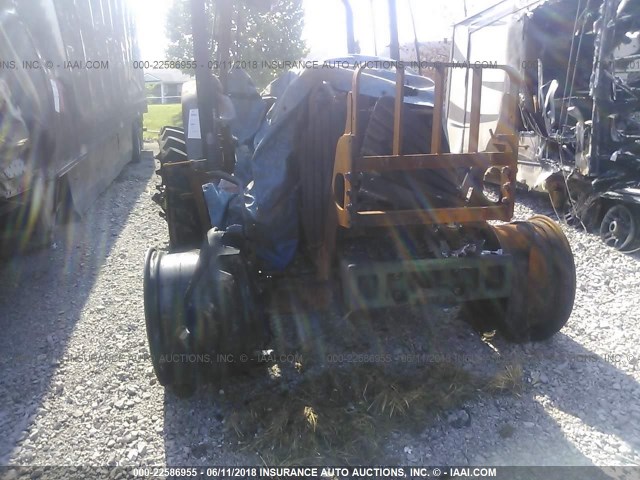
71 105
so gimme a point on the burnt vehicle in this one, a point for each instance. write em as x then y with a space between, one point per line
579 110
335 190
71 106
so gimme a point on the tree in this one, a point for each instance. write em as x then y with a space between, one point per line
258 34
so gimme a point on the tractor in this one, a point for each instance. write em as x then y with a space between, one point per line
336 188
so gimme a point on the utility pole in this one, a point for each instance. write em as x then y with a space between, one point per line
373 21
394 45
415 38
351 40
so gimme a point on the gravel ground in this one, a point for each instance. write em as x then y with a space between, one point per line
581 401
77 388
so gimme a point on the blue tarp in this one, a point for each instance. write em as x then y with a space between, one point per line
266 145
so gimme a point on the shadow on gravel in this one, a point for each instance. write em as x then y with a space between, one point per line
42 295
407 378
331 393
566 378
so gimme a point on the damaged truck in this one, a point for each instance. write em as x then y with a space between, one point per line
578 108
71 105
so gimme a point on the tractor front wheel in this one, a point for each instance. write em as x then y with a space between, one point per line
203 322
543 283
167 354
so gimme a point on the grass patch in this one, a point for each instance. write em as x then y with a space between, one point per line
509 380
160 115
344 416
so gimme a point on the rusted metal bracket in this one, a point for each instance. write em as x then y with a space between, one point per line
349 164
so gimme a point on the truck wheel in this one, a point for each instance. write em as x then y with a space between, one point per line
619 228
136 134
543 283
43 207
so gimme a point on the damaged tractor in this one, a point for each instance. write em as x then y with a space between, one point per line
579 118
336 189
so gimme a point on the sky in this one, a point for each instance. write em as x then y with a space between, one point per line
325 30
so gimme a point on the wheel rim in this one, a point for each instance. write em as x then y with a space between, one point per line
156 335
552 246
544 278
618 228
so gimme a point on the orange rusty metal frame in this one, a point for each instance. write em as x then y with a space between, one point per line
349 164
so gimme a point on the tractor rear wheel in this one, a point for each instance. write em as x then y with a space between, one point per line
180 209
168 131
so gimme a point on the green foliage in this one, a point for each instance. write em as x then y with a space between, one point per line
152 89
258 34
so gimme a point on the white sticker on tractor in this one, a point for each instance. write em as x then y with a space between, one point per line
194 124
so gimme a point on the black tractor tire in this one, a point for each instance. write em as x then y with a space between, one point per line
181 213
172 155
322 124
168 131
170 142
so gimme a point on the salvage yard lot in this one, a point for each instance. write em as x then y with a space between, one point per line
77 387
